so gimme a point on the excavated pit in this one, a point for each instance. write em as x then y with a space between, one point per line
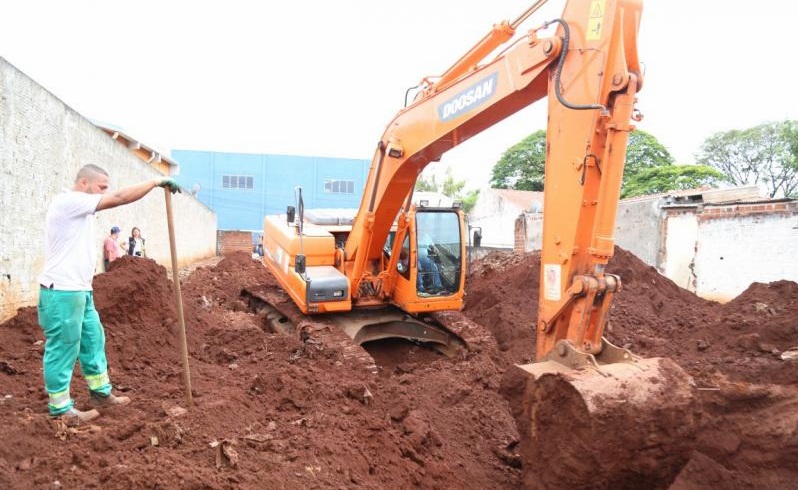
300 411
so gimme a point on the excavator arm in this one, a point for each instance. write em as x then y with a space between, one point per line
591 104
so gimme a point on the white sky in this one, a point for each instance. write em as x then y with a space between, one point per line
322 77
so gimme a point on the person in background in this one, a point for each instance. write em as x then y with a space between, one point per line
71 324
136 243
111 248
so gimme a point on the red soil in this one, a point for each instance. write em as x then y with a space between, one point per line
276 411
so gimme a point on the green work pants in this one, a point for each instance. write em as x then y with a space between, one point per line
72 331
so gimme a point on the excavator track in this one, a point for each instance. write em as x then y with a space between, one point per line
280 315
450 333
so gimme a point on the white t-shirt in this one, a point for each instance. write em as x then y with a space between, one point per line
138 246
71 251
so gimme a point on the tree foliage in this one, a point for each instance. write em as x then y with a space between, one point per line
644 152
654 180
450 188
522 166
765 155
424 185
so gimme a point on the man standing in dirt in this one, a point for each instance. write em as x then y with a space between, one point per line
71 324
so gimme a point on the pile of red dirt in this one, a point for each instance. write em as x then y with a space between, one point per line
743 356
277 411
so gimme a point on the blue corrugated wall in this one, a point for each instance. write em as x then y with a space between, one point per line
274 178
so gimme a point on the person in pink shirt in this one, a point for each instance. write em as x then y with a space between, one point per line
111 250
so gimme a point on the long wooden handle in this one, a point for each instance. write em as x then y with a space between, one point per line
178 297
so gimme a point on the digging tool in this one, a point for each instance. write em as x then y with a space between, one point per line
178 298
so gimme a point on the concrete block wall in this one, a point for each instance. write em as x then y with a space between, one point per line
43 143
741 244
496 217
638 228
715 251
677 258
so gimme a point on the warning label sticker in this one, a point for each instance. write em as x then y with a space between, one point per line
596 20
552 281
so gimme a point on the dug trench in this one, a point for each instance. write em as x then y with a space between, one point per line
280 411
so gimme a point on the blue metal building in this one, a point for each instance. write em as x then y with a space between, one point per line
242 188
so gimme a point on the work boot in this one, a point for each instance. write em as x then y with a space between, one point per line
73 416
98 400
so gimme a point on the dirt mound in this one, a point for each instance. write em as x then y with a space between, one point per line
275 411
771 306
726 348
270 411
134 292
502 295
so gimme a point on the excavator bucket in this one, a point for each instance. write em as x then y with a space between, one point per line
620 425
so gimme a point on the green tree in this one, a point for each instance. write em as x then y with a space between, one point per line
522 166
425 185
765 155
665 178
450 188
790 134
644 151
454 189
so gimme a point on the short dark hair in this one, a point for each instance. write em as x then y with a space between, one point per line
90 170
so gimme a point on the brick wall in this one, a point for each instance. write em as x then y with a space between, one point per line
43 143
519 235
234 241
528 234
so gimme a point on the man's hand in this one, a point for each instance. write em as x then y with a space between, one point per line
168 183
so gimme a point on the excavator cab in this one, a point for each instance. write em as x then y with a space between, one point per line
430 259
439 251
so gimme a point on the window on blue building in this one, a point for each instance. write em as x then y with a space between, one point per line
339 186
238 182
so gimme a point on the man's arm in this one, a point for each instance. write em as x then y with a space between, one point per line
134 192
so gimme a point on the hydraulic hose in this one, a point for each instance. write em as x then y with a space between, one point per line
558 70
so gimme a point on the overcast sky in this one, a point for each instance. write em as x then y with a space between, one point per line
323 77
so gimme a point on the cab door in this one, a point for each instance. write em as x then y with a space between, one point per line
429 265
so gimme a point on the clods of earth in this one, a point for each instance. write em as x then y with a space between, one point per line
292 411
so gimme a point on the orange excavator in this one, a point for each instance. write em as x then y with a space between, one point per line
589 414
